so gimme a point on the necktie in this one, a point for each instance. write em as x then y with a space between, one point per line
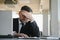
22 26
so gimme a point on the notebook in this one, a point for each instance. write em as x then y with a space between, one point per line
6 22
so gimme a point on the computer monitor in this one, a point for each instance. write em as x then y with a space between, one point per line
6 22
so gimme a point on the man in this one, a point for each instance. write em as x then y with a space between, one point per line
25 26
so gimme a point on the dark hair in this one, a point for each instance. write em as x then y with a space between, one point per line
26 8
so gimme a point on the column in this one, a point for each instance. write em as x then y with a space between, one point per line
54 28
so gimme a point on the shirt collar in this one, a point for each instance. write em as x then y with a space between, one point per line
19 20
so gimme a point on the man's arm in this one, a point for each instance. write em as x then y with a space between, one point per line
35 29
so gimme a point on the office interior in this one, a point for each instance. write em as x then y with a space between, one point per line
45 12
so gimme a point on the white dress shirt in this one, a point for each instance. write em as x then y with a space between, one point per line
20 26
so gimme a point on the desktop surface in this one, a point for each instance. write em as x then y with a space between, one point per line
38 38
20 39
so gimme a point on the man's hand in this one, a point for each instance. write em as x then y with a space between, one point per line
28 16
21 35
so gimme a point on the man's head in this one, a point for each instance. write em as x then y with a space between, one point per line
25 13
26 8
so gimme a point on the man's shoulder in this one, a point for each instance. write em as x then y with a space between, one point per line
15 18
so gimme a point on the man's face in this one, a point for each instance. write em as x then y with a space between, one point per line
22 15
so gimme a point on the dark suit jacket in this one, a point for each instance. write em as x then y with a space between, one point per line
31 29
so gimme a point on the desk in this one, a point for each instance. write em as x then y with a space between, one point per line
26 39
20 39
